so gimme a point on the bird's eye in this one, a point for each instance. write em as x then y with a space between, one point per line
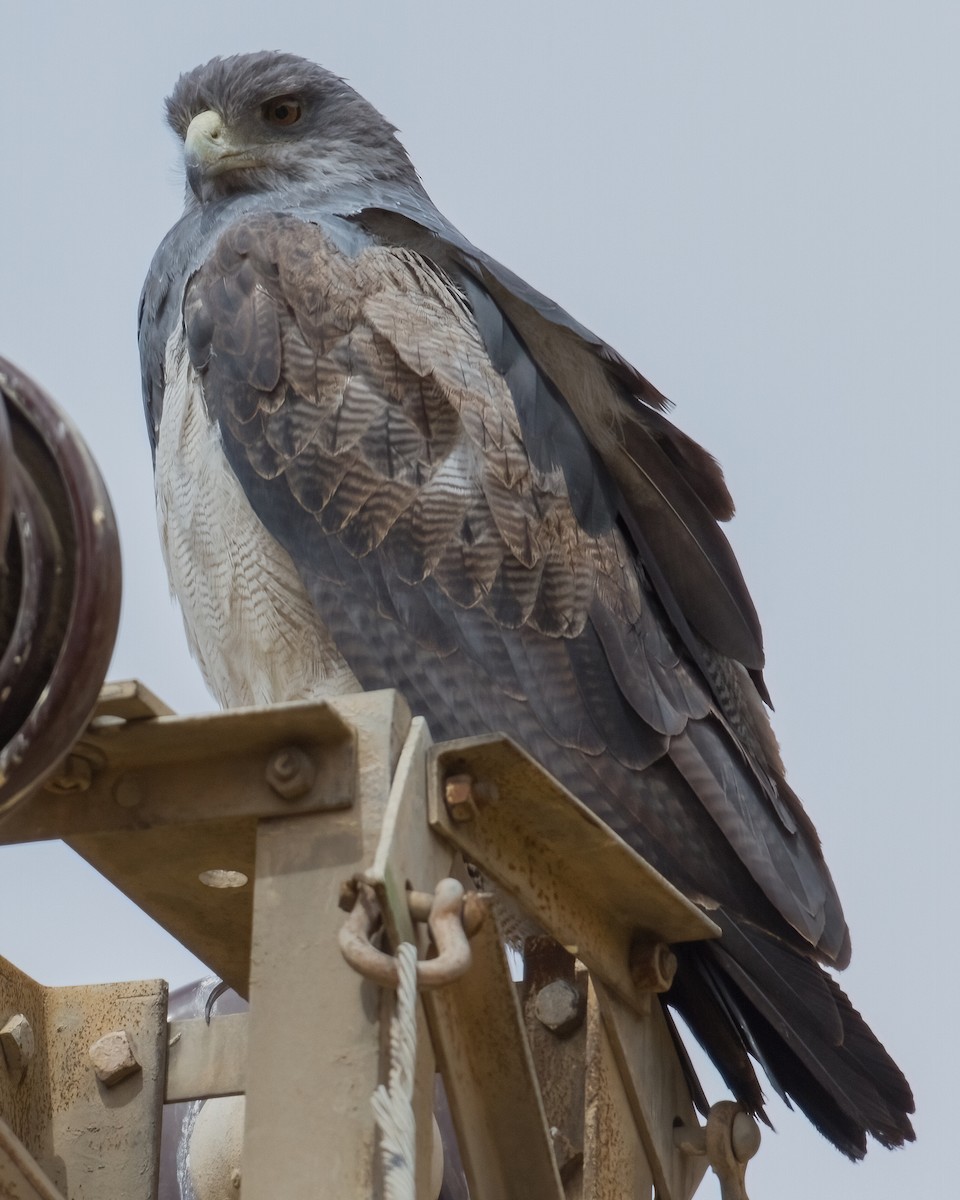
284 110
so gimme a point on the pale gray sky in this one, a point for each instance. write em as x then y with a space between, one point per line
757 204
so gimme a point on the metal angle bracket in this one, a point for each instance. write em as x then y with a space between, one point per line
565 867
81 1087
167 807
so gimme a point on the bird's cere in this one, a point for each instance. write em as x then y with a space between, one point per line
209 150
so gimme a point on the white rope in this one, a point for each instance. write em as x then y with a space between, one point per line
393 1105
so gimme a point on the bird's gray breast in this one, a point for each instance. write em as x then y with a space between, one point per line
249 621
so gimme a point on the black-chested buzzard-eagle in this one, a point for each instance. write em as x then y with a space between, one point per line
384 460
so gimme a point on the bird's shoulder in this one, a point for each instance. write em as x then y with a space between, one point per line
352 372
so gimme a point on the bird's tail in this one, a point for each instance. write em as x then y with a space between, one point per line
749 996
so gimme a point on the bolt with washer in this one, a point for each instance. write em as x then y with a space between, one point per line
290 773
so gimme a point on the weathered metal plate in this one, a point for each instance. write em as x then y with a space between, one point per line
136 821
89 1139
206 1058
20 1176
584 884
615 1164
656 1091
481 1047
314 1049
141 773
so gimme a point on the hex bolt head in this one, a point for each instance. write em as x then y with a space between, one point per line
460 800
652 965
290 772
17 1042
114 1058
560 1007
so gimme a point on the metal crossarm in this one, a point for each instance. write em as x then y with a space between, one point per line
246 834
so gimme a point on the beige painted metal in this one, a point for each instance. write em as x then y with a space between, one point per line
488 1071
730 1138
612 1088
564 866
655 1089
560 1061
159 799
21 1177
89 1138
168 799
475 1024
206 1058
615 1164
314 1050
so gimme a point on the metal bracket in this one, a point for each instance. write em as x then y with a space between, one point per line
81 1086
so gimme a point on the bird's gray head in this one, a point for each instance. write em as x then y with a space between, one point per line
275 122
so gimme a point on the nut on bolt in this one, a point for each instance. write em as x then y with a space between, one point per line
290 772
459 797
74 775
652 965
464 795
114 1058
16 1040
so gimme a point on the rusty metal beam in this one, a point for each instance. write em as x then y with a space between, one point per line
655 1089
615 1164
167 808
566 868
166 799
475 1024
142 772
